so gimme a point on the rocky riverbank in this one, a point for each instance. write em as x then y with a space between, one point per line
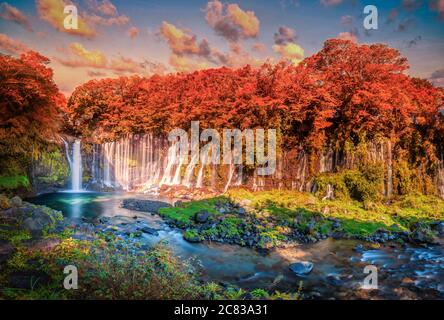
36 243
223 220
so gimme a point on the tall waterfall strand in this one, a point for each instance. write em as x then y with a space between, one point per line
76 167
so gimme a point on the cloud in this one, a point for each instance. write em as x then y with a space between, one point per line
246 20
96 74
259 47
285 44
51 11
231 22
331 3
290 51
107 8
133 32
184 64
437 78
108 22
189 54
348 36
11 13
284 35
11 46
347 20
77 56
438 6
184 42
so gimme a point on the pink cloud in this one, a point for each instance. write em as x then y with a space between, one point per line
11 13
230 21
331 3
11 46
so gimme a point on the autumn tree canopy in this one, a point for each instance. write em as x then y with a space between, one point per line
346 93
29 106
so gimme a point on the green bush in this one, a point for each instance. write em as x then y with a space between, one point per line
336 180
365 184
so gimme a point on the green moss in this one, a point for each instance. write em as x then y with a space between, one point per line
270 237
230 227
184 215
192 235
14 182
357 219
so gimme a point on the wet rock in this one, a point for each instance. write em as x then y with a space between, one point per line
144 205
334 280
422 233
16 202
438 227
201 216
302 267
149 230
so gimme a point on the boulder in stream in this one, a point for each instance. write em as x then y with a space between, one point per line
302 267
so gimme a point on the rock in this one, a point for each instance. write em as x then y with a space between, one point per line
336 224
4 202
46 244
6 250
144 205
149 230
334 280
16 202
34 226
301 268
201 216
422 234
439 228
178 204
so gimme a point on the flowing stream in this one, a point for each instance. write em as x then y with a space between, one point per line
412 272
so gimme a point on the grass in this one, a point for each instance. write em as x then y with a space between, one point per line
357 218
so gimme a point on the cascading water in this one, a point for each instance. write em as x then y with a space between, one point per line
75 164
76 169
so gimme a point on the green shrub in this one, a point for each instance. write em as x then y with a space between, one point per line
336 181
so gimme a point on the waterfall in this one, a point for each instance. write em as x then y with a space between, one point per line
76 167
189 170
200 175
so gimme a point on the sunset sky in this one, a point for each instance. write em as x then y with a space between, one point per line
122 37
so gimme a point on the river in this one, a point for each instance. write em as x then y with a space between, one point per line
403 271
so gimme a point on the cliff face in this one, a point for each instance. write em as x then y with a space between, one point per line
145 163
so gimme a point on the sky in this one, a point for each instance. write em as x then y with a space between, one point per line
146 37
